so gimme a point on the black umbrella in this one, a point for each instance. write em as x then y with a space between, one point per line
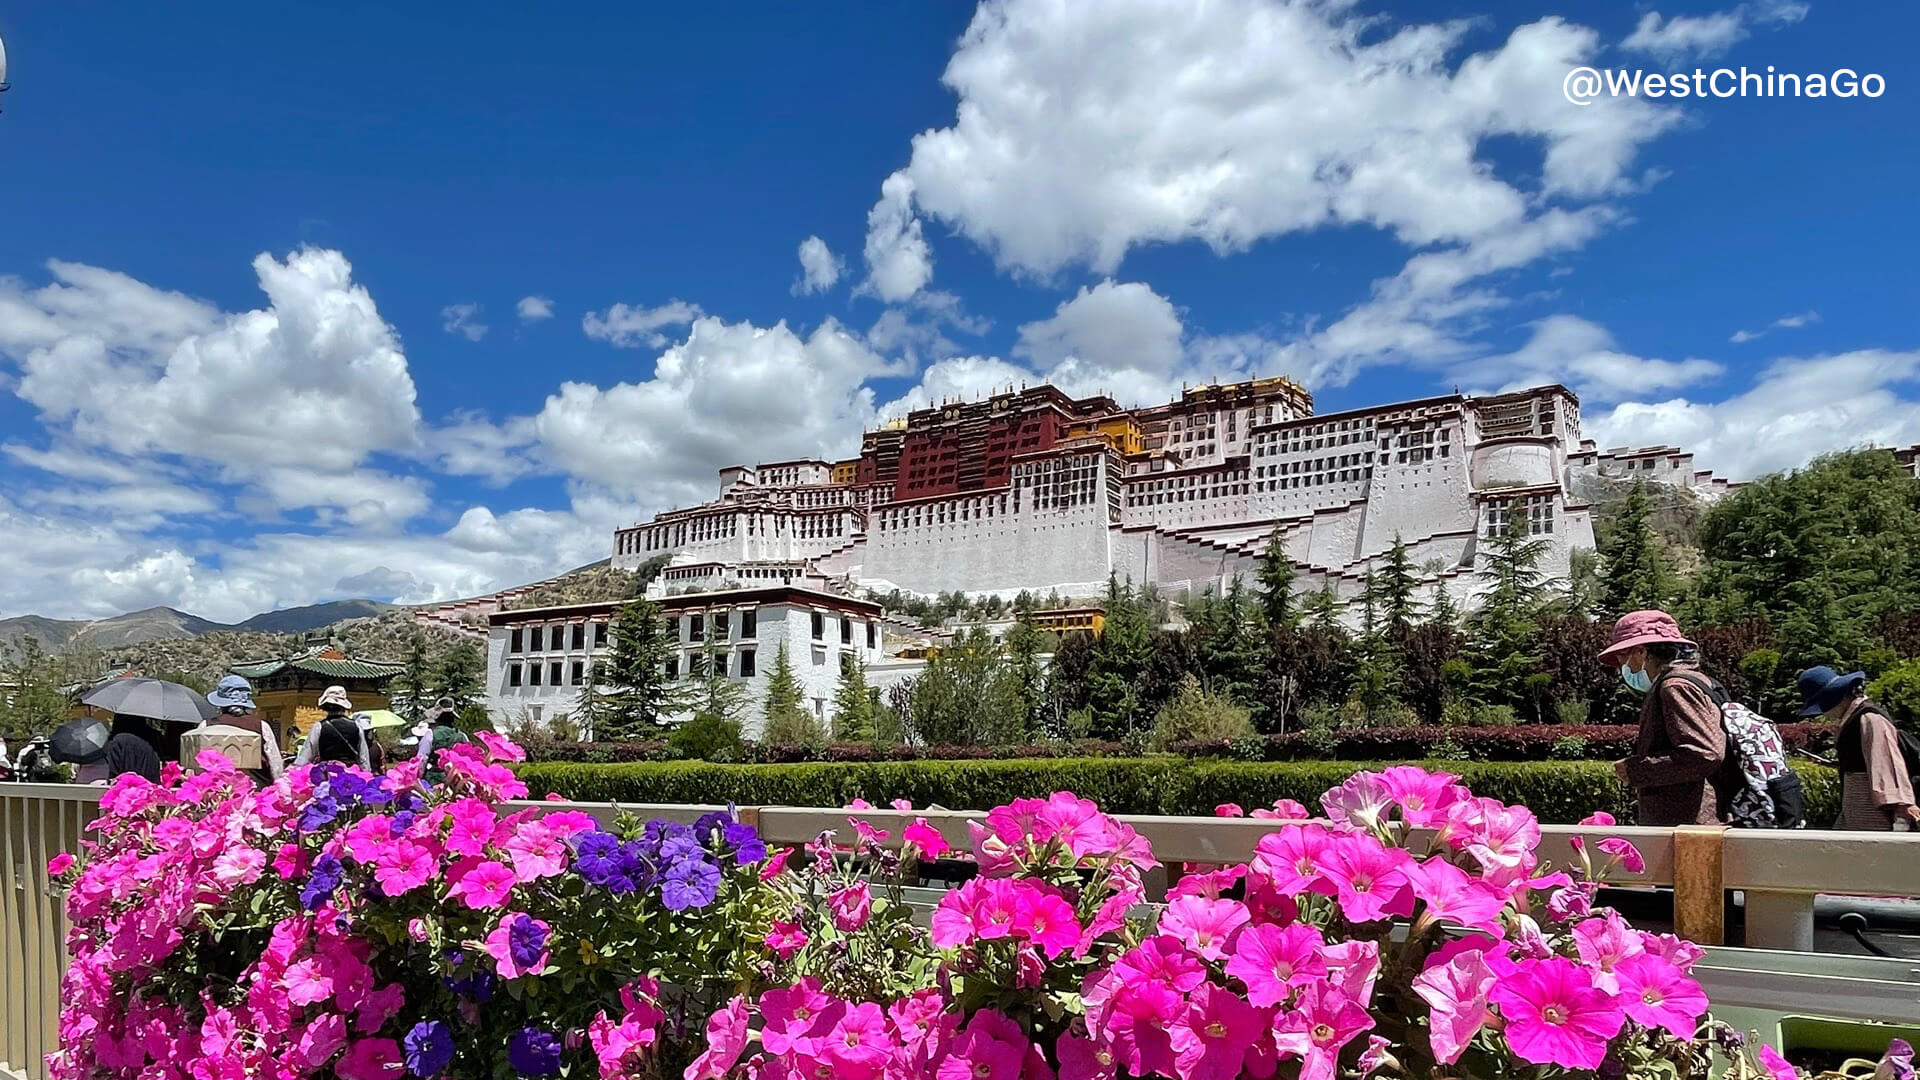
81 742
153 699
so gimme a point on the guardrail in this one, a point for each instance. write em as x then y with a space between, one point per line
1780 873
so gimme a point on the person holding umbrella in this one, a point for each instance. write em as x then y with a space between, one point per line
81 743
132 748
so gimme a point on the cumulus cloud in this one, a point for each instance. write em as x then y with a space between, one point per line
463 320
899 262
636 326
534 308
1085 130
819 267
1687 37
1797 408
1583 355
1784 322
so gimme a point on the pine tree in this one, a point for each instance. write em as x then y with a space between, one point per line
1119 657
1503 628
639 696
462 675
1024 646
718 697
1323 609
591 709
1443 612
1276 578
1392 590
1229 650
414 688
853 705
1634 574
787 720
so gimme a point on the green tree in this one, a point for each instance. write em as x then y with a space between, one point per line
461 675
1586 587
968 695
1825 553
718 695
1193 714
34 701
1229 645
1119 656
1276 578
787 720
853 704
1443 611
1391 590
1024 646
413 689
638 695
592 710
1503 629
1323 609
1634 572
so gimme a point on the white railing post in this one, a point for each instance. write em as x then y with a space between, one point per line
1779 920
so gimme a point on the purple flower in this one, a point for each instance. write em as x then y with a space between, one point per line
527 940
533 1052
746 843
321 882
429 1048
596 857
690 884
1898 1064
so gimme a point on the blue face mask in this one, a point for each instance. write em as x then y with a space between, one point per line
1639 681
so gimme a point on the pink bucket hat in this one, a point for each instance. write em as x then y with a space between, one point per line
1637 628
336 695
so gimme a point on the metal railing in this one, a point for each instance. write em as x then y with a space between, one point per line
1780 874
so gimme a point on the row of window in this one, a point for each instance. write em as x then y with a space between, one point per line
555 638
1537 508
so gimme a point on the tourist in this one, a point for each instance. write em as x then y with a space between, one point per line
1876 788
1677 761
234 698
338 736
132 748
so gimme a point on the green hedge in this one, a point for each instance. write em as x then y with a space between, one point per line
1560 792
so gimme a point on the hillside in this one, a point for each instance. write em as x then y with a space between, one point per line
133 628
386 636
296 620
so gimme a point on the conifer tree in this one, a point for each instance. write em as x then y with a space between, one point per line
1634 574
1503 628
787 718
1276 578
1119 657
637 693
1392 590
853 720
1323 609
414 688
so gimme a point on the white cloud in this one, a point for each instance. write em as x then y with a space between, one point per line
899 263
1570 350
1686 37
633 327
1796 409
534 308
1784 322
463 320
1084 130
916 330
819 267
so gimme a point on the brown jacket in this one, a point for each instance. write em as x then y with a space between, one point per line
1680 752
1875 789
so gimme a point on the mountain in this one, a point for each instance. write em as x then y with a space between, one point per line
133 628
298 620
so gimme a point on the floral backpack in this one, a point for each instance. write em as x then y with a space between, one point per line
1758 789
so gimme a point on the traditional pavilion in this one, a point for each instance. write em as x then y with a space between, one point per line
287 690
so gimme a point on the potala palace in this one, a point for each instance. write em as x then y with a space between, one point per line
1034 489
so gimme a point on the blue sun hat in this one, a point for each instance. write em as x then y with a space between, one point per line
233 692
1821 688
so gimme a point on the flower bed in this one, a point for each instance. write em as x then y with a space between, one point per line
372 928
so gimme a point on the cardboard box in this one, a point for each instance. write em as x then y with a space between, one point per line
238 745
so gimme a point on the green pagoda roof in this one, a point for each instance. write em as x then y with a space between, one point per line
324 662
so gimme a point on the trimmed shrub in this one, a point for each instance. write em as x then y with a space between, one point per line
1560 791
1525 742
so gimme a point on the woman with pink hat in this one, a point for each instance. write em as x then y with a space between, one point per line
1676 765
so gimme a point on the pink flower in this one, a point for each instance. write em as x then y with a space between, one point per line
537 852
1228 809
1630 858
417 929
793 1016
1656 995
499 747
1205 925
1424 797
1352 968
785 939
1291 858
1598 818
1285 810
1457 897
404 867
1369 879
1209 884
925 839
1083 1059
1677 951
473 825
1505 838
1273 960
321 1039
239 866
868 834
379 1007
1317 1029
991 908
370 1059
858 1046
1777 1067
776 864
1555 1014
290 862
1457 993
484 886
1603 943
990 1047
1363 801
726 1037
851 906
1210 1042
307 982
59 864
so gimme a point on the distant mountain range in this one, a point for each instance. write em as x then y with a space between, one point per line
166 624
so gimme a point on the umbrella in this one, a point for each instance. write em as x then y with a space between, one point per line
383 718
81 742
153 699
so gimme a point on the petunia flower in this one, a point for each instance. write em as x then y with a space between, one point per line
785 939
1321 1024
429 1048
924 839
726 1037
990 1047
484 886
533 1052
1555 1015
371 1059
851 906
1205 925
1211 1041
1456 991
1271 961
1655 994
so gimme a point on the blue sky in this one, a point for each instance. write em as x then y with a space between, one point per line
302 303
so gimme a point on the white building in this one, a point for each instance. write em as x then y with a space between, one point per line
539 659
1034 490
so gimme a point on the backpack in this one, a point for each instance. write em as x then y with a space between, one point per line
1757 789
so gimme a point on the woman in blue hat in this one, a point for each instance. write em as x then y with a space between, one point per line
1876 788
